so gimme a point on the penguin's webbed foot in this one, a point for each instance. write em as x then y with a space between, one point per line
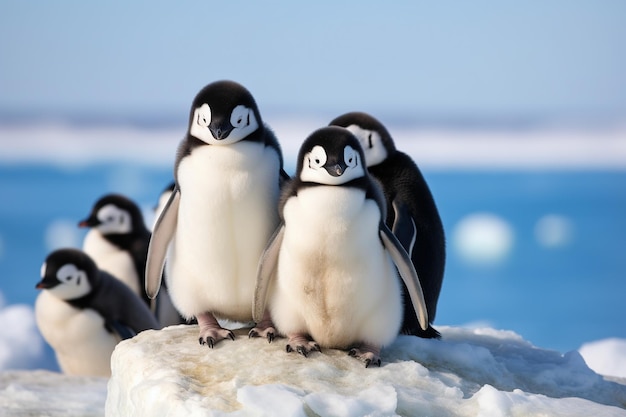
368 354
269 333
302 344
211 332
264 328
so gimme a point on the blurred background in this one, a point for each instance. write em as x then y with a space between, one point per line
514 111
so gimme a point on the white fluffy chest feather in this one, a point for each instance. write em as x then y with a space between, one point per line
82 344
331 242
228 210
111 259
334 275
335 220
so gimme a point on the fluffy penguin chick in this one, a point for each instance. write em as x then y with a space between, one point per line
411 211
118 240
221 213
328 273
83 312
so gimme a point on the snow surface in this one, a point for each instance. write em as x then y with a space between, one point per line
480 372
45 393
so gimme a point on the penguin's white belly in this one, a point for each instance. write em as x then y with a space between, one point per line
81 343
111 259
335 281
227 212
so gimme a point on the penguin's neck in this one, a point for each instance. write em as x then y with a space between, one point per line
84 301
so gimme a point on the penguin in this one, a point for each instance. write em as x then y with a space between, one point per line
327 275
118 240
222 212
83 312
412 214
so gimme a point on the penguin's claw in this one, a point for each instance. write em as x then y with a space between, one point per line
368 354
302 345
210 338
264 328
211 332
269 333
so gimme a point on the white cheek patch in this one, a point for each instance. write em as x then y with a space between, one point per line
350 157
375 151
354 166
43 270
73 283
114 220
244 122
313 166
200 124
316 158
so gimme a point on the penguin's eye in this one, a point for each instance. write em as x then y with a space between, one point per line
316 158
350 156
369 140
240 117
203 115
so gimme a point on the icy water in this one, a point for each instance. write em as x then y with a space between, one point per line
557 276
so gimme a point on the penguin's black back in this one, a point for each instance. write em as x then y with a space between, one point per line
117 303
402 180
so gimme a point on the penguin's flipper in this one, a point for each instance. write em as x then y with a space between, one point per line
407 273
267 265
404 226
159 241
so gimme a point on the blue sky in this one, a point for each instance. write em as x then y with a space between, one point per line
561 58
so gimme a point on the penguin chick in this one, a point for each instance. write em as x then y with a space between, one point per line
118 240
221 213
83 312
328 274
412 213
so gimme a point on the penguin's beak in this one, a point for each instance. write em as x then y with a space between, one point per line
221 131
89 222
43 285
336 170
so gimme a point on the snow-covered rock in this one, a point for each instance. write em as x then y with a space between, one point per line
470 372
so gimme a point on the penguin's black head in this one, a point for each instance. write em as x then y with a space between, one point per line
68 274
331 156
114 214
375 139
223 113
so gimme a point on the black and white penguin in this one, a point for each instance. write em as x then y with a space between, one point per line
221 213
118 240
83 312
411 211
329 274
